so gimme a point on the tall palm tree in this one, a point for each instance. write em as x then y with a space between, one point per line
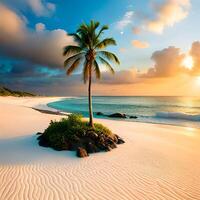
89 52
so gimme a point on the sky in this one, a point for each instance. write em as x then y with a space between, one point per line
158 44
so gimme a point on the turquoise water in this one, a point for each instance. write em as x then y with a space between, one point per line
182 111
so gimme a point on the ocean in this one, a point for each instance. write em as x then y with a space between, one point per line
181 111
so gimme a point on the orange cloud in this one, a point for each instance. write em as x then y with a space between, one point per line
40 27
167 14
12 25
120 77
136 30
122 50
168 62
140 44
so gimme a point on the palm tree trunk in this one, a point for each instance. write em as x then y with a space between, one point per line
90 97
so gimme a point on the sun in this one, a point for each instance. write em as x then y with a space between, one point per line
188 62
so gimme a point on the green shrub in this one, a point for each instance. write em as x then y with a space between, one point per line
100 129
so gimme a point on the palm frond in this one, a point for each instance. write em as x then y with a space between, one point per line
97 69
94 25
71 59
71 49
110 56
106 42
74 66
103 28
106 64
78 39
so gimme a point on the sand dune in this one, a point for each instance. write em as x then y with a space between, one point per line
156 162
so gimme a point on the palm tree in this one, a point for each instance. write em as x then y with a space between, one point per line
89 52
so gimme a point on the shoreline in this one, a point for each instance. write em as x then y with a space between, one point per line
129 120
156 162
41 105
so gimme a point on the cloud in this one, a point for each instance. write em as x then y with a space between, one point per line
119 77
123 50
40 27
195 53
168 62
140 44
167 14
136 30
125 21
166 77
37 47
39 7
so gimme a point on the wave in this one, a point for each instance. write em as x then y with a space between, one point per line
178 115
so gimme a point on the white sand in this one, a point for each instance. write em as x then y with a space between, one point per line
156 162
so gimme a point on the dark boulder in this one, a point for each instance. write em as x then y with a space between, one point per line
133 117
120 141
92 135
117 115
75 145
111 144
99 113
81 152
43 142
113 137
92 148
108 148
39 137
38 133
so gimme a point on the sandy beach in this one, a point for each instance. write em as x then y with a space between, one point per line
156 162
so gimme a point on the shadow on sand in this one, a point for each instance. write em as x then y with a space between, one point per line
25 150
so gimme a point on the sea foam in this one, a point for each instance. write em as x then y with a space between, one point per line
178 115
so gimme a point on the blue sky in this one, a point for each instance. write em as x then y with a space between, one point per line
160 24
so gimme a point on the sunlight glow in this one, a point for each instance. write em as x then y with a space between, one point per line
197 80
188 62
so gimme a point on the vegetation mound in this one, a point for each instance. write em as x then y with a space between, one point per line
74 134
8 92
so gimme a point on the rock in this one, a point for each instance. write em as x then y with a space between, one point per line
57 148
101 139
113 146
75 139
113 137
92 148
43 142
117 115
92 135
99 113
38 133
133 117
111 143
65 144
39 137
108 148
75 145
120 141
81 152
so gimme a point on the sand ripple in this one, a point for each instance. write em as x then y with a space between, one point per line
97 177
